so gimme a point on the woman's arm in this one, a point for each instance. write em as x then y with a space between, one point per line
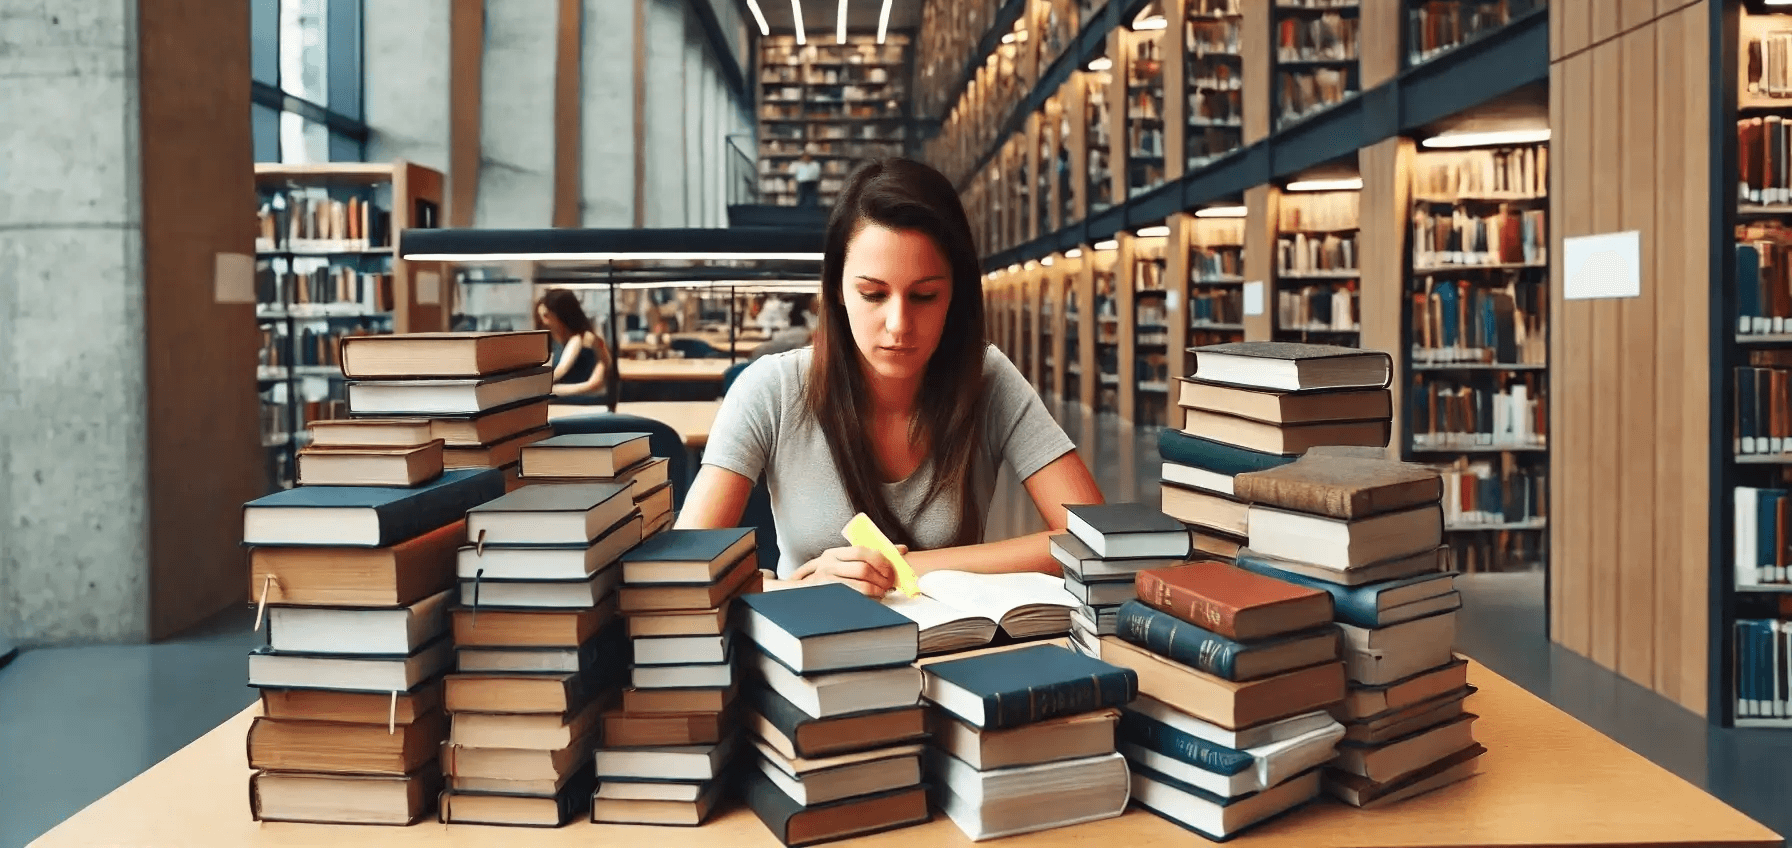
717 499
1064 480
569 353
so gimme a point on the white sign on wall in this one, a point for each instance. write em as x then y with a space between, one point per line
1602 266
233 278
1253 297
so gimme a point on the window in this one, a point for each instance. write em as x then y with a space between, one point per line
307 81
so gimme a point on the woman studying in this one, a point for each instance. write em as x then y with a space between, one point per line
584 363
900 409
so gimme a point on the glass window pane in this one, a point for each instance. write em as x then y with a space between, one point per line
264 29
304 69
302 141
265 127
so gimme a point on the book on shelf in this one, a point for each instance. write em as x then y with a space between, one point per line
1300 253
1325 37
1317 212
1434 27
1451 234
1463 321
1763 667
310 220
1305 92
1481 410
1498 492
1516 173
1318 308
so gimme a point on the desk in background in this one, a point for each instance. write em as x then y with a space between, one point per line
672 370
690 418
1546 779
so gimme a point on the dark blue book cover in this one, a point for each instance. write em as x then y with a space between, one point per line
689 546
1035 683
1154 735
1196 452
401 513
1748 282
1171 637
824 610
1358 605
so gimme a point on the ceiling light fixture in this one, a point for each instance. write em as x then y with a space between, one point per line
1154 231
883 22
1047 262
840 24
796 16
1222 212
1347 184
1485 139
1100 63
758 17
1008 39
1153 22
1108 244
1073 253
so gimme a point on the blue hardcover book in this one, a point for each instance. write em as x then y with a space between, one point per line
1201 649
1368 605
1748 287
1153 734
1026 685
1447 295
367 516
1212 817
829 627
1184 449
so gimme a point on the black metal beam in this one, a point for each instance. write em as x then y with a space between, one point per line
1477 72
266 95
483 242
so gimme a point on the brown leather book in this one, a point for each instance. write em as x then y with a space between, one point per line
1341 486
622 730
1232 705
1231 601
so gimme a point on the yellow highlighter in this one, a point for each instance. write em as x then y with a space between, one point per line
860 531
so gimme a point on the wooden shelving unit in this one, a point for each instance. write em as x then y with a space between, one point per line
1316 57
1317 268
1212 79
326 267
1434 29
1144 113
842 103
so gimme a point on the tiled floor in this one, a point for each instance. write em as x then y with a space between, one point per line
103 714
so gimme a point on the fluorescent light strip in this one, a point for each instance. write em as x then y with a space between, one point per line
1222 212
1100 63
1153 22
1349 184
758 17
1008 39
883 21
1047 262
1485 139
840 24
600 256
1073 253
1154 232
1109 244
796 15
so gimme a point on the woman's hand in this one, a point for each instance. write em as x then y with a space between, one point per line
864 569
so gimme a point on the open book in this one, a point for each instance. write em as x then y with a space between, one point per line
959 609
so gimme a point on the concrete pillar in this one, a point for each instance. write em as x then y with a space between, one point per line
665 113
73 480
516 122
607 114
405 85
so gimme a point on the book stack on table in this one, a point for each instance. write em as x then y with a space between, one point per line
539 645
1023 739
1253 406
356 585
1106 547
834 710
1235 671
1368 532
669 747
623 458
483 395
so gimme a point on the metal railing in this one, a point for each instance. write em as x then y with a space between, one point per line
743 171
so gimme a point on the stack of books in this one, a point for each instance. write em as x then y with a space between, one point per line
833 705
623 458
526 714
1368 533
484 395
1107 546
356 585
1253 406
1235 672
1023 739
667 748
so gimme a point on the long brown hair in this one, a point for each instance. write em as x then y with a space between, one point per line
565 306
902 194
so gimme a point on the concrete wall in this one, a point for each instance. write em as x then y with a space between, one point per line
689 107
73 475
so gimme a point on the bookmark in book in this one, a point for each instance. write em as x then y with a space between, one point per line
860 531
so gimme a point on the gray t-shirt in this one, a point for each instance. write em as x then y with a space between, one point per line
764 426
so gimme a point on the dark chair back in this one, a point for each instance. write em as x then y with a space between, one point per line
696 349
661 439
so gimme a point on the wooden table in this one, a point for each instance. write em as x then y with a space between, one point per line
671 370
1546 779
690 418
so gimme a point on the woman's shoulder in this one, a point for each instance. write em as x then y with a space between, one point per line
775 379
997 365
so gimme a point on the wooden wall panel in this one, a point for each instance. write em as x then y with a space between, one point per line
466 54
1577 24
204 452
1176 311
1555 31
1386 168
1694 485
1259 257
1125 300
1175 56
1666 251
1630 392
1383 23
1054 289
567 45
1074 104
1256 44
1636 492
1090 380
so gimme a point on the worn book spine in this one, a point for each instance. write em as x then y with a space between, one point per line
1169 637
1186 604
1330 501
1038 703
1176 744
1358 605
